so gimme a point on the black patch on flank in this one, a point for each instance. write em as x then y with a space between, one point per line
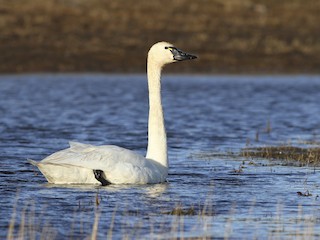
98 174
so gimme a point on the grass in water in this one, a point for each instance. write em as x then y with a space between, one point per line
303 156
204 226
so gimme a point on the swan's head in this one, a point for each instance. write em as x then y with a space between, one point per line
164 53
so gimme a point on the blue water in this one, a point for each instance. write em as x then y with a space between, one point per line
209 119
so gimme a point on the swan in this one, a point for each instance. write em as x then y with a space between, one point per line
108 164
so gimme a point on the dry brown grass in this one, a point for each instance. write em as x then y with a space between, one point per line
103 35
300 155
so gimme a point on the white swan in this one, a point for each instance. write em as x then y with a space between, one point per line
88 164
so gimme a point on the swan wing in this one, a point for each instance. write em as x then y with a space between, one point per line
119 165
78 154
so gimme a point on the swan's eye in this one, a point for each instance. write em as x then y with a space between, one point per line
170 48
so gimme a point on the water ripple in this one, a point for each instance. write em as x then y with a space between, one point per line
207 117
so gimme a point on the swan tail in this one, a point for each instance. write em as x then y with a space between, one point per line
68 174
34 163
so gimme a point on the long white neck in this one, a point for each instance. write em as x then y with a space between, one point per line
157 138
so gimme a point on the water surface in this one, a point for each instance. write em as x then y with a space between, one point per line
207 117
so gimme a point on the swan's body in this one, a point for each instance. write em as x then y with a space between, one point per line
88 164
120 166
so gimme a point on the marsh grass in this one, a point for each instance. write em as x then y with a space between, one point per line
203 227
290 154
24 225
173 224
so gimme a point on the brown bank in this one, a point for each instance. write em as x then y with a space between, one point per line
230 36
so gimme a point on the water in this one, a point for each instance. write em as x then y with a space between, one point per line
207 117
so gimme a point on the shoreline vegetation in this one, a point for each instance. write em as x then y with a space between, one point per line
249 36
300 156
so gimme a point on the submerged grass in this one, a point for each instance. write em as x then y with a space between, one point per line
200 211
301 155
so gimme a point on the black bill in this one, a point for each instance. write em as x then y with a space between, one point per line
180 55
